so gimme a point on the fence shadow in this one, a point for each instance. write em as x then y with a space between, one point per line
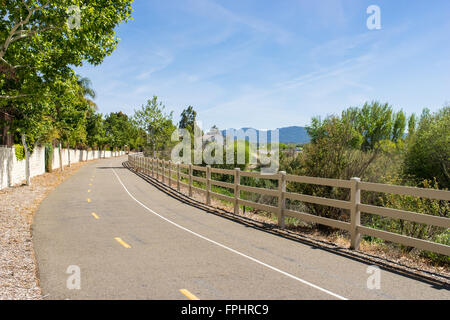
437 281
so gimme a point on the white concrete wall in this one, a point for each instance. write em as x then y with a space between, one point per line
12 172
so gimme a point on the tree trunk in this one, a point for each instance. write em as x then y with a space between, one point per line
61 166
27 161
68 154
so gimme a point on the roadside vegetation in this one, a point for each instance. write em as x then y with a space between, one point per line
42 97
374 143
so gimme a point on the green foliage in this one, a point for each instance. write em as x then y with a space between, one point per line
369 143
19 152
95 129
188 117
38 86
38 44
156 123
118 129
428 153
363 142
361 128
438 208
69 109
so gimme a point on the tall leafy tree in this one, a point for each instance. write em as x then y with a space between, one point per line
95 129
188 117
428 153
158 124
41 40
118 129
87 92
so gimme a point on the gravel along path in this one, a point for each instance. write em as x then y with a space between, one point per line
18 280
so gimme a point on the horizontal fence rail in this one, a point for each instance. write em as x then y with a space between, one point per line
173 174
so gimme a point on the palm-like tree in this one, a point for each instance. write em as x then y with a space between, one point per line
87 91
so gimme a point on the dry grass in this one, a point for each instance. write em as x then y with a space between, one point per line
18 204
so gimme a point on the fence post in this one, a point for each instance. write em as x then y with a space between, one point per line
170 173
355 214
281 198
190 180
157 169
237 192
208 184
152 160
178 177
163 171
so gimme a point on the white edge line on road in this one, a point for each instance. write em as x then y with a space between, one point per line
228 248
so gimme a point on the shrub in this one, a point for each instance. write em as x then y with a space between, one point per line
428 155
19 151
433 207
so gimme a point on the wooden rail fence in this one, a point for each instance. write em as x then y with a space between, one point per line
170 173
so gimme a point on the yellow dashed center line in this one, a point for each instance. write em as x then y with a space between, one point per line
188 294
123 243
89 190
95 215
88 200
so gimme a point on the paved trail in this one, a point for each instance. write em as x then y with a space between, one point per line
133 241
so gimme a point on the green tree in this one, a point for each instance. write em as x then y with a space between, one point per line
118 129
188 117
96 133
38 48
158 124
39 42
362 142
87 92
428 153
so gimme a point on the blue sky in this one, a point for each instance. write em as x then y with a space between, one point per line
270 64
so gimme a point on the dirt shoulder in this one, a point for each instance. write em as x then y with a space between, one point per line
18 204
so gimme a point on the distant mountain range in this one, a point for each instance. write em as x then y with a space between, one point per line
294 134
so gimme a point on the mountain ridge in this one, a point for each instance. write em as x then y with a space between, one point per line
291 134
